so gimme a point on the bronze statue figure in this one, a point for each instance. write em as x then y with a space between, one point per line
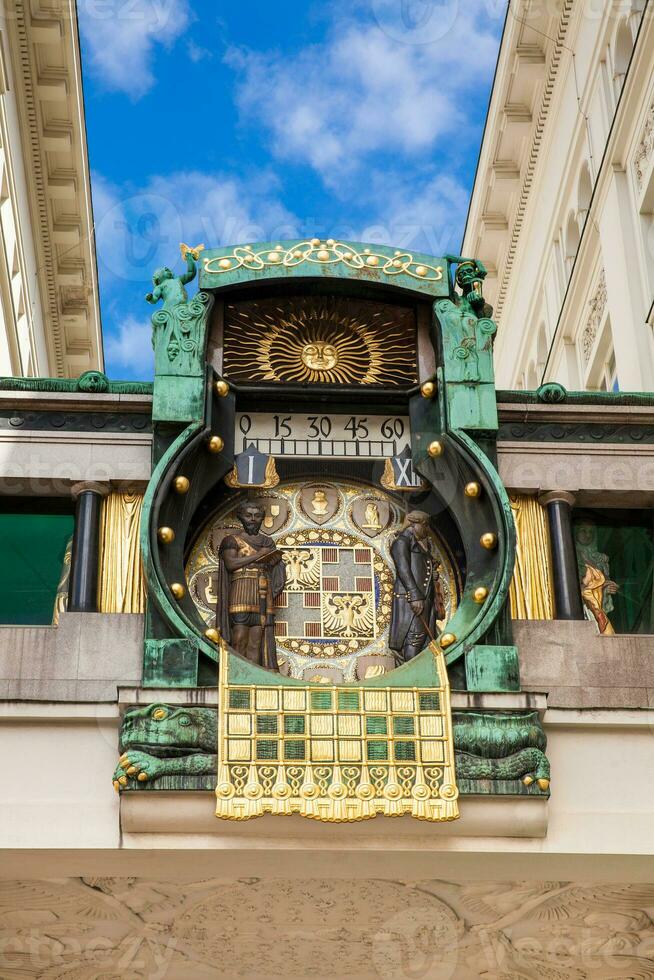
251 576
417 594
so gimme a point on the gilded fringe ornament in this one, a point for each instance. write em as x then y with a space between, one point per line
121 588
334 753
532 591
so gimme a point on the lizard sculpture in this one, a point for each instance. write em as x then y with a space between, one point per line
163 740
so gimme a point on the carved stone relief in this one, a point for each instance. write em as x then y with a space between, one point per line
103 928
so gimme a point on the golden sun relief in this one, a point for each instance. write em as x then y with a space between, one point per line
320 339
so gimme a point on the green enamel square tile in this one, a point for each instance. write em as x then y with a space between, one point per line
266 724
376 725
294 725
377 751
348 701
239 699
267 749
405 751
430 702
321 700
294 749
403 726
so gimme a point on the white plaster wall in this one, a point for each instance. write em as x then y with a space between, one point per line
60 797
58 794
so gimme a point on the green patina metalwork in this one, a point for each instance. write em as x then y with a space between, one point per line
324 259
179 334
463 415
175 747
492 668
467 333
90 382
555 393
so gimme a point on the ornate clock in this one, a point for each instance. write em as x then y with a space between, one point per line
325 527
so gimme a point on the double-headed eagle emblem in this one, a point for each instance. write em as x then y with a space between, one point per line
302 569
348 614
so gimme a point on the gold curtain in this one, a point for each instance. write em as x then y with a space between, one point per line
532 592
121 588
61 598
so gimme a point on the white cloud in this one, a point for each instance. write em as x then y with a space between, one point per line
425 212
139 228
128 348
365 92
119 39
197 53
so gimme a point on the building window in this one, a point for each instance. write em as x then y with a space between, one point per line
33 535
615 556
609 377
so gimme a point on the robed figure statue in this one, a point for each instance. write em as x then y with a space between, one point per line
417 595
251 576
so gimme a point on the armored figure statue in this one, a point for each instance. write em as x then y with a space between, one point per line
251 576
417 595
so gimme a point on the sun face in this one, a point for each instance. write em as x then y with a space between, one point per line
319 357
323 340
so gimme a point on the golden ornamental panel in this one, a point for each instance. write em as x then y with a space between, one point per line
321 339
335 753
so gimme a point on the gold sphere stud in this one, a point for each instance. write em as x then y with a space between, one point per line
331 242
181 484
435 448
372 260
315 241
527 780
427 389
221 388
543 784
322 254
397 252
348 256
178 590
273 257
397 264
215 444
421 270
279 248
166 535
472 489
212 635
297 254
488 540
447 639
225 264
480 594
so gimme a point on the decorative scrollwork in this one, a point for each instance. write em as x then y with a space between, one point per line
321 253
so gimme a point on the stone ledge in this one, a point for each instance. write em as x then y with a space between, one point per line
192 813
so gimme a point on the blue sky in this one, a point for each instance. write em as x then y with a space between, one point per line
256 121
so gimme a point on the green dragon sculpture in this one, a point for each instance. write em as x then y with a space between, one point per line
168 747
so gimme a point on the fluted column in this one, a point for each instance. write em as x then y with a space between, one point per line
83 590
567 593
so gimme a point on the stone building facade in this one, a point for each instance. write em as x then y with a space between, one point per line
537 860
49 308
562 206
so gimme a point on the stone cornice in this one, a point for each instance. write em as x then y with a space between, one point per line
513 66
44 47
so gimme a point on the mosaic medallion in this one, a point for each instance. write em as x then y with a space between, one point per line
331 620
